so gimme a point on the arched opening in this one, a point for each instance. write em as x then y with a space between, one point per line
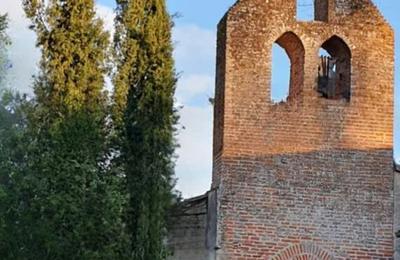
280 74
334 70
287 85
305 10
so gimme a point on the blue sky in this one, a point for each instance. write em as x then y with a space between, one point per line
194 38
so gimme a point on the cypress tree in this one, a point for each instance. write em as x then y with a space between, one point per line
74 208
144 113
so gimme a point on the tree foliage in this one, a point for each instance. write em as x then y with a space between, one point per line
14 144
145 118
66 202
65 192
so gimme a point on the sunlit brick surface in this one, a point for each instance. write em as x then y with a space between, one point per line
311 178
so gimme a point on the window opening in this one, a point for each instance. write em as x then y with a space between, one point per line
334 69
305 10
280 74
287 68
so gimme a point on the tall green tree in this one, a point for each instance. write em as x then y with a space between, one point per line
145 119
74 206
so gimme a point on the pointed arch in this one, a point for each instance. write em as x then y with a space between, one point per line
294 48
335 82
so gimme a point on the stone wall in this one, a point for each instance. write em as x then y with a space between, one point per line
192 228
311 177
187 231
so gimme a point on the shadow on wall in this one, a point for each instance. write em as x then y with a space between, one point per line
333 190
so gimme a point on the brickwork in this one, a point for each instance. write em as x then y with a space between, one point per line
311 178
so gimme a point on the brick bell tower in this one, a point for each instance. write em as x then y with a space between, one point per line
312 177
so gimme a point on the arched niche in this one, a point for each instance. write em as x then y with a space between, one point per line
334 70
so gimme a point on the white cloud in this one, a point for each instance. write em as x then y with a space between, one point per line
194 49
194 165
107 15
23 54
195 57
192 86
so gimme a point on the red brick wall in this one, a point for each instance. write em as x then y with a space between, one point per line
312 174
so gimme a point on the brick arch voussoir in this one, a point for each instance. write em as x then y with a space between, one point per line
305 257
303 251
336 43
292 44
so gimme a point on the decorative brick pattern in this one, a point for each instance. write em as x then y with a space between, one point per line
305 251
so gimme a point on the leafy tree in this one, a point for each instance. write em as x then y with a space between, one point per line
68 205
12 123
14 144
145 119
